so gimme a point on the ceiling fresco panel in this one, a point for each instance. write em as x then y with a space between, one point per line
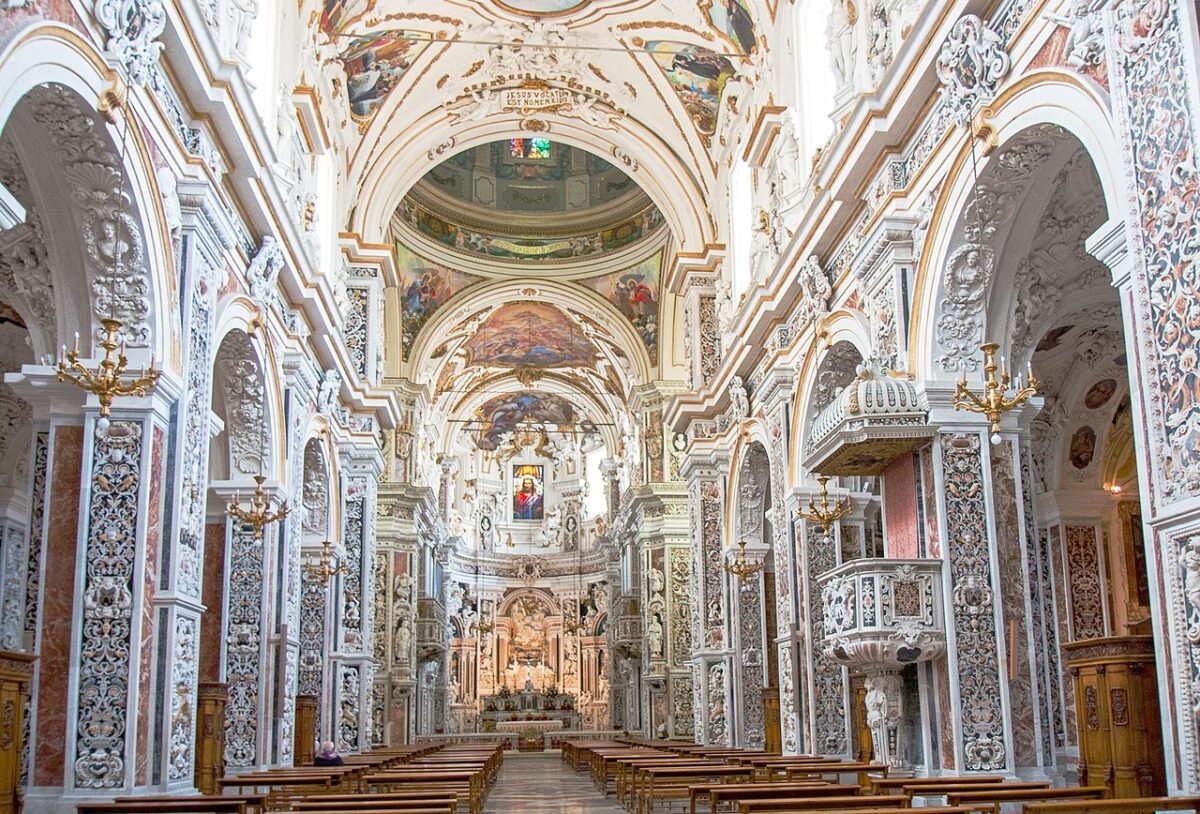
635 293
426 287
698 76
530 334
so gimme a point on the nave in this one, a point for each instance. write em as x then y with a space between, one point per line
814 378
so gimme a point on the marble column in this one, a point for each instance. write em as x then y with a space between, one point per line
1153 63
177 600
711 658
248 562
55 485
828 712
118 555
315 642
353 666
977 652
679 642
775 394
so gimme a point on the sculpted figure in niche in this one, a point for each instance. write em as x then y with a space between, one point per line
739 399
654 635
657 581
843 44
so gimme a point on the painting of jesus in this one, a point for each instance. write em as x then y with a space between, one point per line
527 492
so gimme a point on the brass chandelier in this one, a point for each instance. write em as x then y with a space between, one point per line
828 512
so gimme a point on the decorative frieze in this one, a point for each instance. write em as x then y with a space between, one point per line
133 28
717 724
711 571
351 590
971 65
1155 90
680 627
194 446
348 707
184 677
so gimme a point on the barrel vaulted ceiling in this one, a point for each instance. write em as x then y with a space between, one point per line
524 286
643 84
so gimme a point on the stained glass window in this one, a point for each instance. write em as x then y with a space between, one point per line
527 492
534 148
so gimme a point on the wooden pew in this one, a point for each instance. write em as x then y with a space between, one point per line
208 804
255 803
416 779
627 772
667 782
886 785
822 803
863 771
1121 805
368 803
734 792
993 800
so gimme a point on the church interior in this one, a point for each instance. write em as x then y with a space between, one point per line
599 405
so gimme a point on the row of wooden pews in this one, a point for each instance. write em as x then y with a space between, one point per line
425 779
648 776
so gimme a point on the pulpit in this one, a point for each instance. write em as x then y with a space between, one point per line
16 670
881 615
1116 703
305 746
210 735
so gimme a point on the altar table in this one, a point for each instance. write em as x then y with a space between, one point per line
528 726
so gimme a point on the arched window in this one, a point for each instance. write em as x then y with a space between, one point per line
741 228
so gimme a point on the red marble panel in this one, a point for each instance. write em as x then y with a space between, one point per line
900 509
146 665
58 604
213 596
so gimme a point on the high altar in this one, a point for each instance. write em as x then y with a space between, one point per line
526 645
531 706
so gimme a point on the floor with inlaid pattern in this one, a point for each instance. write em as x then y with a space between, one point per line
541 783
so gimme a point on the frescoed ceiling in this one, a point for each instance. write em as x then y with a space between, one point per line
529 200
399 69
538 167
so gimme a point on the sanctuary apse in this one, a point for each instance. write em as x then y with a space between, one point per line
393 372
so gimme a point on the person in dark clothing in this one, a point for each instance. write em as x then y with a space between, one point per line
328 756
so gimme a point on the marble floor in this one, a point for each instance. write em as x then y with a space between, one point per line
540 783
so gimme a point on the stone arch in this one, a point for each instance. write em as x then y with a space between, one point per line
472 302
673 187
49 120
1047 116
237 319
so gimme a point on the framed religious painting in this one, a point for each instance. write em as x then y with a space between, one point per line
527 497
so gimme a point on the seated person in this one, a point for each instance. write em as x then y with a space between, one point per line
328 755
